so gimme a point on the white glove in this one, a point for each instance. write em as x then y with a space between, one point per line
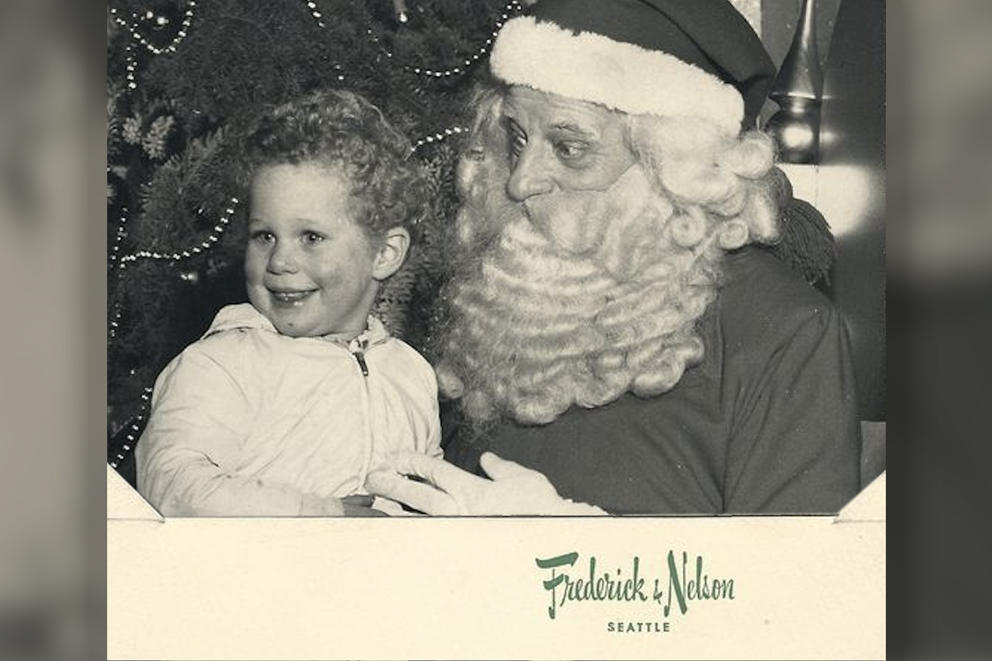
449 491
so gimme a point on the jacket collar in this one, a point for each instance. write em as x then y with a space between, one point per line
245 316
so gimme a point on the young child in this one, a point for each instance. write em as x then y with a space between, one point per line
286 403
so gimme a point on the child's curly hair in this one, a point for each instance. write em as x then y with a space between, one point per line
343 130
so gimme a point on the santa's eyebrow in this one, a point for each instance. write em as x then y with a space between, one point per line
573 128
510 124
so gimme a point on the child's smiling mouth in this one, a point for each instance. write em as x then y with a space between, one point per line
290 296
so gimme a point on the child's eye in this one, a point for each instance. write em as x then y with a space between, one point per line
312 237
263 236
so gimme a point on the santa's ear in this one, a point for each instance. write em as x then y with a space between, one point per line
391 252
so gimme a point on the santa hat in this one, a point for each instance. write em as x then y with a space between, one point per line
695 58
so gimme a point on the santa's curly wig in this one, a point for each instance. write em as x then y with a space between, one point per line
580 296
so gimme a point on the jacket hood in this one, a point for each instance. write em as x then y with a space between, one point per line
244 316
241 316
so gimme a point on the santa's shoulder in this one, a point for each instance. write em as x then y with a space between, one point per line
764 303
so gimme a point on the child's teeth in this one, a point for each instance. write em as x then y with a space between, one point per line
291 296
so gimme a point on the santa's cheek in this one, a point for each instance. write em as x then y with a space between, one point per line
574 224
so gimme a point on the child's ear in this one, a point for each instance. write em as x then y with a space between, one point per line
392 251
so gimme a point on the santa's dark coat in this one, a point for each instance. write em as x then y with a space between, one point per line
767 423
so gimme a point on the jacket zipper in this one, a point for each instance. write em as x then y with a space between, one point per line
361 345
360 357
358 350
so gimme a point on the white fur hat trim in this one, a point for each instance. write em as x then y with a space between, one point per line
621 76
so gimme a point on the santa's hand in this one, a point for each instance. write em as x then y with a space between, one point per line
448 490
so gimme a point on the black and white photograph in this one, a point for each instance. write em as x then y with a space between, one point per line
614 269
544 257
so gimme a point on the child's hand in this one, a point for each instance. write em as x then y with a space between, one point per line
330 506
448 490
360 506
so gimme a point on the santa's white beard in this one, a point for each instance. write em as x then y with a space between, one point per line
582 297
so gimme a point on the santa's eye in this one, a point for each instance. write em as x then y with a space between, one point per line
517 138
517 144
569 150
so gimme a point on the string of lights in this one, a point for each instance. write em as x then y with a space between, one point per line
161 21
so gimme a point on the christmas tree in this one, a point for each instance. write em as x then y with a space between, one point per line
184 80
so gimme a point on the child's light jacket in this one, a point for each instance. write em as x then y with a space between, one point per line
249 422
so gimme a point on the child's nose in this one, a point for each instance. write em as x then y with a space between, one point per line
282 259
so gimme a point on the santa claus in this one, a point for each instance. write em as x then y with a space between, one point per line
617 341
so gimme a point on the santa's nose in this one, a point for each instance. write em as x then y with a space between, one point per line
529 176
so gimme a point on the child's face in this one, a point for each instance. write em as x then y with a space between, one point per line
308 265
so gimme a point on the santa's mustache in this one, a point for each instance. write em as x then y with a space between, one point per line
616 228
